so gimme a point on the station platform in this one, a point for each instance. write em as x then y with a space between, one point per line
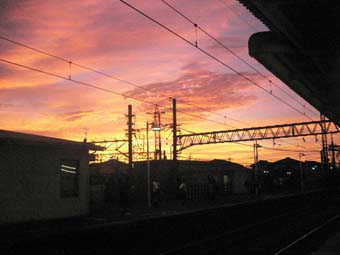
171 223
26 231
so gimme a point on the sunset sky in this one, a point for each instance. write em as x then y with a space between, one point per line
151 65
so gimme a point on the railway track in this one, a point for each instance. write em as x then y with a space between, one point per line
290 231
311 240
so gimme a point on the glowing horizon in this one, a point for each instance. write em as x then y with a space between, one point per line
109 37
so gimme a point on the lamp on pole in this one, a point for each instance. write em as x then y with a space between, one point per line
301 171
156 127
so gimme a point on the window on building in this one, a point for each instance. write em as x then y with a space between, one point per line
226 179
227 183
69 178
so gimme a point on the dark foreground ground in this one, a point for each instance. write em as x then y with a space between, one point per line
239 224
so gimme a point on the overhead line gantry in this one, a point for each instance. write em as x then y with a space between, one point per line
311 128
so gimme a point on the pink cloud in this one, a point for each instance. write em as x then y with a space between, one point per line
7 106
211 91
110 37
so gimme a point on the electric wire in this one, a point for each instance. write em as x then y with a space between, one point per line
288 150
71 62
214 121
213 57
75 81
234 54
224 116
271 82
111 91
104 89
115 78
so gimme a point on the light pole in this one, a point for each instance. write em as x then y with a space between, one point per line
301 172
156 127
148 166
256 158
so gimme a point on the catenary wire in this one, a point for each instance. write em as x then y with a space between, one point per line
114 77
234 54
103 89
213 57
273 83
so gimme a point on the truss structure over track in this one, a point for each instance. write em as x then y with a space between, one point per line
312 128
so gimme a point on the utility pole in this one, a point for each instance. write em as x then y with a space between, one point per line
130 137
174 130
148 166
174 141
333 152
324 151
85 138
256 159
158 138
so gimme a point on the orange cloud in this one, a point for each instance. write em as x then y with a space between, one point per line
72 116
111 38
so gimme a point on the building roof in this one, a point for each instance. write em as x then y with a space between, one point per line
287 161
108 167
10 137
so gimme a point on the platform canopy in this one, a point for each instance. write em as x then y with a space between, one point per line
302 48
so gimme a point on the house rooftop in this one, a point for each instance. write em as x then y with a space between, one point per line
11 137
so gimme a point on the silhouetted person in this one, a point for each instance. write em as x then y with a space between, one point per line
183 192
156 193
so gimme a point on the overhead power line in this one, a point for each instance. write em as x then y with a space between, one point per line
235 54
70 62
213 57
288 150
104 89
239 14
76 64
75 81
193 115
224 116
